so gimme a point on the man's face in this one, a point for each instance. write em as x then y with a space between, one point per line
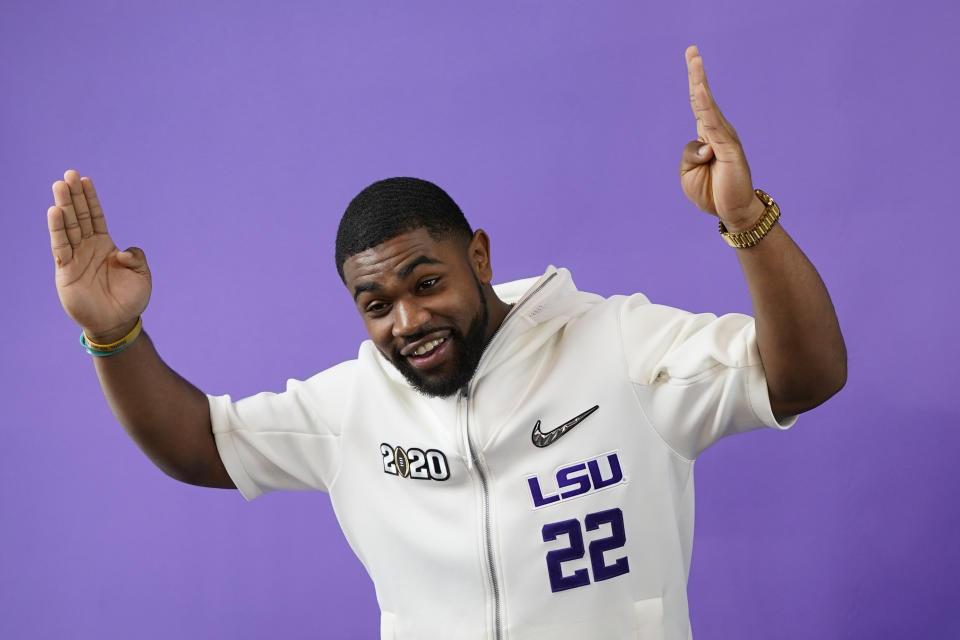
422 302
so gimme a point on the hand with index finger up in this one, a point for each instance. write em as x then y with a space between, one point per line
101 288
714 172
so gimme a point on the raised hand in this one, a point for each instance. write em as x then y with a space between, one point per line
101 288
713 169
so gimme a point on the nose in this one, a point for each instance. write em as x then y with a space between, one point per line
408 317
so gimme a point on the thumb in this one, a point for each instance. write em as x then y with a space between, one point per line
695 153
133 258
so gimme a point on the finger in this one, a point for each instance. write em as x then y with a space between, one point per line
695 68
717 132
59 242
695 153
96 211
61 198
698 76
72 178
133 258
690 54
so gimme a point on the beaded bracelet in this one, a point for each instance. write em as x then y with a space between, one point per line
102 350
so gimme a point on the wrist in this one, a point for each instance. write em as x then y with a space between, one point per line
749 237
746 221
109 336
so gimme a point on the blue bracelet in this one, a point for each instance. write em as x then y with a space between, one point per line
101 354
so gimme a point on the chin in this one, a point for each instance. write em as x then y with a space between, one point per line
437 386
441 384
438 391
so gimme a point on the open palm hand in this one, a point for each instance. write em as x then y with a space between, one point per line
101 288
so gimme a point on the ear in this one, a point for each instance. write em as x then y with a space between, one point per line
478 253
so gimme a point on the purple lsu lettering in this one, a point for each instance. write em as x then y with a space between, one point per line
577 479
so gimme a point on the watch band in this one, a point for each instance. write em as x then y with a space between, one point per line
752 236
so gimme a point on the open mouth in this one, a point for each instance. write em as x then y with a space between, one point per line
427 347
428 353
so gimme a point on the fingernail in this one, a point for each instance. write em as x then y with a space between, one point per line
702 151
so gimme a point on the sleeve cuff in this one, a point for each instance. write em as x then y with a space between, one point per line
227 448
759 397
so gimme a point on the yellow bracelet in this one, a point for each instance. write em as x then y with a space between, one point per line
95 349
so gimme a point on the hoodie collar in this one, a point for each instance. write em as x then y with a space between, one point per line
535 301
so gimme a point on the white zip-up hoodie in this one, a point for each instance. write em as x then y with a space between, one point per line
552 498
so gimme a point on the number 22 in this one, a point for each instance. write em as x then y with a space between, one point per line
601 570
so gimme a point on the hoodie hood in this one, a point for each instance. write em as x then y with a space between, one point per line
542 307
518 352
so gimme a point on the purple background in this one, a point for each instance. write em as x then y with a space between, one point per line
227 138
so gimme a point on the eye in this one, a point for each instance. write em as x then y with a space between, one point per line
377 308
428 283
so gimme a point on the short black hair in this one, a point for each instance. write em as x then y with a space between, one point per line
390 207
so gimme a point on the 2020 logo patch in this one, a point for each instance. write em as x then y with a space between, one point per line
414 463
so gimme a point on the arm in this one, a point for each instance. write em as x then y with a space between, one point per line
802 349
105 290
164 414
798 335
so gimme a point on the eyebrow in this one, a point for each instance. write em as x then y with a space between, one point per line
402 273
360 288
407 270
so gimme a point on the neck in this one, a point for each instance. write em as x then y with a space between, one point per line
498 310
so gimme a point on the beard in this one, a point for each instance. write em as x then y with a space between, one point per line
466 356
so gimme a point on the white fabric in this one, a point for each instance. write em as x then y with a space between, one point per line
667 384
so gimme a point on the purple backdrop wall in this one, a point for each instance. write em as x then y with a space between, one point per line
226 139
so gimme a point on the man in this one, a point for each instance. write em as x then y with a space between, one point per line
507 462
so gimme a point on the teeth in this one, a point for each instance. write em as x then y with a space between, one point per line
428 346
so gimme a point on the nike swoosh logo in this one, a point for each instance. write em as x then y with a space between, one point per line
542 439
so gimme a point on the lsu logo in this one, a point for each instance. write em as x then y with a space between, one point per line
578 479
414 463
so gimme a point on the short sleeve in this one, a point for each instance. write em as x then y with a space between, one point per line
284 441
698 377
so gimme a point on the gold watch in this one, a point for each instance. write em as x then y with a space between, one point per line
752 236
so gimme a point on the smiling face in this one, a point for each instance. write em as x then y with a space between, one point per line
426 304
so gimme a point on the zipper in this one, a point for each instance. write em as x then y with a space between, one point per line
467 390
510 315
475 459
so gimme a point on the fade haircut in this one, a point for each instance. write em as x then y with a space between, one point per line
395 206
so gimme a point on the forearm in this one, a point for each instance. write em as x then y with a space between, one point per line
166 416
802 349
